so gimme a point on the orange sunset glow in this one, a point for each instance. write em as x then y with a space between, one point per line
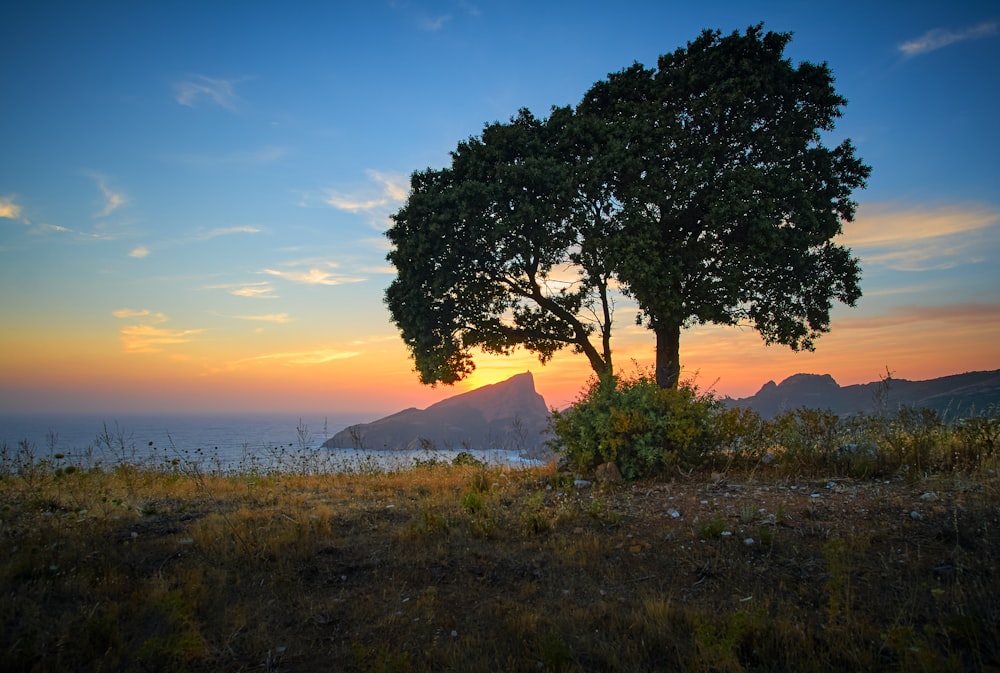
201 230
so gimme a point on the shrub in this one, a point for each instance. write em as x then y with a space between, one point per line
641 427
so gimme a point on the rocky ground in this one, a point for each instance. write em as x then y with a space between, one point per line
477 570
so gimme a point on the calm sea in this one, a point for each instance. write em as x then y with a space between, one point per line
223 442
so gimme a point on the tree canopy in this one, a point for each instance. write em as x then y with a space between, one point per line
494 252
700 189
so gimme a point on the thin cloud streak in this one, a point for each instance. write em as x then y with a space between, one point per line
938 38
881 225
968 313
112 200
297 357
222 92
126 313
145 336
389 190
313 276
922 240
261 290
256 291
227 231
139 252
280 318
435 24
150 339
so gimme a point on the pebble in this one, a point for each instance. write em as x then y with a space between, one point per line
915 515
674 514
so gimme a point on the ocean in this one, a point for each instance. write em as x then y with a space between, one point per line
219 442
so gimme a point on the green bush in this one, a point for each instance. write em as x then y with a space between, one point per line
641 427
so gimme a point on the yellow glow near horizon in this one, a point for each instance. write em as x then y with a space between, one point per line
98 367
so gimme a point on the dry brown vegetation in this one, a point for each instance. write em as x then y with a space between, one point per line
466 568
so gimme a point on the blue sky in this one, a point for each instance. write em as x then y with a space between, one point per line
193 195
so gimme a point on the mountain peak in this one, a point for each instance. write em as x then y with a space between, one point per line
508 414
959 392
814 381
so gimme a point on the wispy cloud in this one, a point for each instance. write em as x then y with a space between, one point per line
221 92
938 38
139 252
151 339
255 291
127 313
300 357
9 209
261 290
45 228
433 24
383 193
312 272
964 314
113 199
916 240
313 276
280 318
143 335
227 231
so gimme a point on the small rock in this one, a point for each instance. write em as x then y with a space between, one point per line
930 496
674 514
814 495
915 515
581 483
608 473
748 542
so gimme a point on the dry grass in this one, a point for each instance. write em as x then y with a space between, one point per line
462 568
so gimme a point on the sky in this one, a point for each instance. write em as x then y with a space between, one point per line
193 195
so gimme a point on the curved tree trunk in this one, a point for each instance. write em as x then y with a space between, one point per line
668 362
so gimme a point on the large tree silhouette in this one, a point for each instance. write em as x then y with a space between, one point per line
702 189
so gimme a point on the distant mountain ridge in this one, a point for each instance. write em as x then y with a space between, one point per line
507 415
948 395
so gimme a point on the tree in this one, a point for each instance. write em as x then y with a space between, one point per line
729 199
493 252
700 189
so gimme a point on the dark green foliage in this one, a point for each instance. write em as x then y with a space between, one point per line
481 251
647 431
730 200
701 189
643 428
